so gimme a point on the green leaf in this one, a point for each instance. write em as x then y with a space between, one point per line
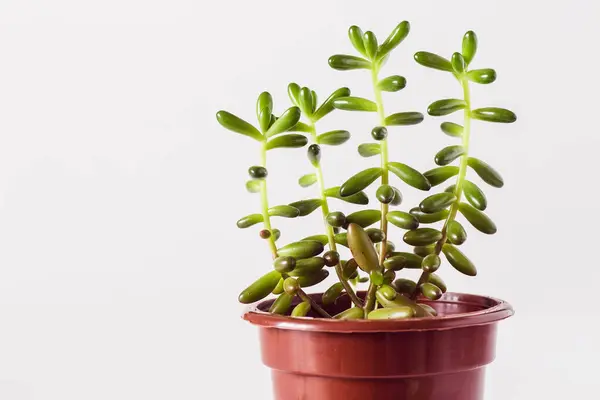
249 220
356 38
319 238
458 63
404 118
292 140
301 310
413 261
370 41
333 138
392 83
439 175
385 194
438 281
302 249
327 105
422 236
284 211
341 239
360 181
305 101
445 107
331 295
282 304
265 101
449 154
434 61
478 219
469 46
315 100
369 149
264 119
403 220
391 313
456 233
362 248
305 207
261 288
430 291
494 114
238 125
343 62
253 186
486 172
308 266
452 129
301 127
409 175
482 76
458 260
364 218
358 198
354 104
287 120
307 180
425 218
376 235
395 38
474 195
294 93
437 202
314 279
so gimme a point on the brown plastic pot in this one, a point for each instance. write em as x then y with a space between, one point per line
441 358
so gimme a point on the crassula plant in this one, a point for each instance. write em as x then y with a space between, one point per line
433 230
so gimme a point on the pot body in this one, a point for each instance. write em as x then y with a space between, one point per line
441 358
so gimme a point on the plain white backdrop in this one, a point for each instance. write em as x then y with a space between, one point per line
120 262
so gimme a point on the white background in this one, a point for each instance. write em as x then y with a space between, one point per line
120 262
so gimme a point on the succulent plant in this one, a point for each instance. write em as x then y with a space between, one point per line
374 258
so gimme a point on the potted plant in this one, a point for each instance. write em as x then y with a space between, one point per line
400 339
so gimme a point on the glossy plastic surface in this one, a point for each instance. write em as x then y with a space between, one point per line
415 359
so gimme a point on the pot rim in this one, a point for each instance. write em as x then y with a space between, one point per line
493 310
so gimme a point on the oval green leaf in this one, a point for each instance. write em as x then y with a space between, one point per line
302 249
333 138
429 218
396 37
392 83
261 288
357 198
469 46
327 105
474 195
307 180
439 175
482 76
494 114
360 181
478 219
369 149
445 107
434 61
409 175
437 202
292 140
458 260
356 38
343 62
486 172
354 104
402 220
249 220
362 248
449 154
284 211
404 118
238 125
364 218
422 237
305 207
452 129
287 120
456 233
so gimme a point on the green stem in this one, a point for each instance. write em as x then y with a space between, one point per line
460 179
264 202
329 229
370 299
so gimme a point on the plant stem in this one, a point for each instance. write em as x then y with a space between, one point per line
329 229
370 299
264 202
460 179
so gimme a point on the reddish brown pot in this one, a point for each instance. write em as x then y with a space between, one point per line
441 358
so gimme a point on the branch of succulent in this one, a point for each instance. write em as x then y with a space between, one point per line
446 205
301 264
278 281
375 57
306 100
